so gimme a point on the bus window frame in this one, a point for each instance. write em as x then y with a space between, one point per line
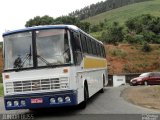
73 47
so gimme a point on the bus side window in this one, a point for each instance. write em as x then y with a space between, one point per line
93 48
89 46
84 45
101 49
76 48
104 53
98 49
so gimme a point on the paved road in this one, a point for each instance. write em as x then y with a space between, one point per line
102 106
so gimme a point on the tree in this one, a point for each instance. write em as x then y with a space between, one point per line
47 20
114 34
44 20
67 20
146 25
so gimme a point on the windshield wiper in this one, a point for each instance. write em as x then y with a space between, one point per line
19 63
47 63
44 60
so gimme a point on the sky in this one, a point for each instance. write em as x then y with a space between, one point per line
15 13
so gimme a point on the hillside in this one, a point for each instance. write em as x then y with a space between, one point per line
126 58
123 13
100 7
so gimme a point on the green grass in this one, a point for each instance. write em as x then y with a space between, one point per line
1 89
124 13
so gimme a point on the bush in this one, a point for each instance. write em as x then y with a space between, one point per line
134 39
113 34
149 36
95 28
146 47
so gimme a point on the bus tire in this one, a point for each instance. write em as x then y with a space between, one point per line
102 90
83 104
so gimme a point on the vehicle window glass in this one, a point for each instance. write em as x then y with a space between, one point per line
76 42
144 75
103 50
18 51
52 47
84 46
76 48
94 47
89 46
98 49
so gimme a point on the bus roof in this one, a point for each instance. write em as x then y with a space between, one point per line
41 28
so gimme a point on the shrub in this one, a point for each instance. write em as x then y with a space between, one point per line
134 39
149 36
146 47
113 34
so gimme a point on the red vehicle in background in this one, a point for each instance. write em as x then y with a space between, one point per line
150 78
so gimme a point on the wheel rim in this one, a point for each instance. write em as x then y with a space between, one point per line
145 83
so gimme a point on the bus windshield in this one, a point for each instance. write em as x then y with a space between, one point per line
52 48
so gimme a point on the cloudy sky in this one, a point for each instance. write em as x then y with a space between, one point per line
15 13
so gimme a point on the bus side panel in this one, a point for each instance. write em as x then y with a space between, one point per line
94 79
93 71
76 82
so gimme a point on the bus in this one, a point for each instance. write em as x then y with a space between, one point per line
52 66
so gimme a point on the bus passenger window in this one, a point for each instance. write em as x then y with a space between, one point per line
77 42
104 53
84 46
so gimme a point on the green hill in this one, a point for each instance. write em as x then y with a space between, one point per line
122 14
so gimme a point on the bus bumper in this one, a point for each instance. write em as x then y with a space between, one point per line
40 100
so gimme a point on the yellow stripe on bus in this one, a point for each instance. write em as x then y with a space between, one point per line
94 63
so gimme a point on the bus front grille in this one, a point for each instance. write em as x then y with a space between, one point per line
36 85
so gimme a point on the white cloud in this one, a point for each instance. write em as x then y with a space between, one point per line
15 13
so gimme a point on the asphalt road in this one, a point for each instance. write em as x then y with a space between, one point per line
103 106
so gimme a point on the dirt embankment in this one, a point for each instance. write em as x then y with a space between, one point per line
127 58
145 96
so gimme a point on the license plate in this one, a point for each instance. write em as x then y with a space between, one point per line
37 100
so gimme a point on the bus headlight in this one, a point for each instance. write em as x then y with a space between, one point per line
9 103
16 103
60 99
52 100
23 103
67 99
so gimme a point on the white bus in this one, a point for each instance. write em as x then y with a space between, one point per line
52 66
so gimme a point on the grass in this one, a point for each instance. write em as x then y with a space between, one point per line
119 53
1 89
124 13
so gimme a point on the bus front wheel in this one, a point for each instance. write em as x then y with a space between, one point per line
83 104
